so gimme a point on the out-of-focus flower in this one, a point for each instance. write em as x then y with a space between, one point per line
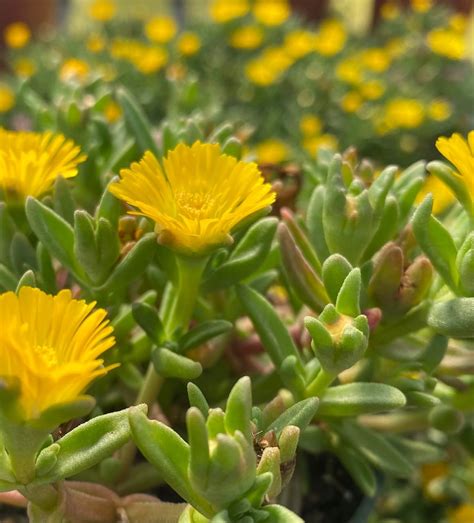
198 196
331 38
404 113
31 162
189 43
460 152
421 6
50 347
271 12
372 89
458 22
349 71
299 43
95 43
462 514
351 102
222 11
112 111
442 196
17 35
258 73
150 59
432 471
7 98
102 10
312 144
389 10
74 69
310 125
376 59
271 151
24 67
246 37
161 29
439 110
447 42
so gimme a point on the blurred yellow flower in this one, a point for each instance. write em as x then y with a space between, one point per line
7 98
377 60
460 152
246 37
112 111
161 29
442 195
189 43
150 59
447 42
222 11
16 35
271 151
440 110
74 69
462 514
95 43
389 10
458 22
299 43
351 102
271 12
24 67
198 196
372 89
432 471
331 37
258 73
31 162
310 125
50 347
421 6
349 71
404 113
102 10
312 144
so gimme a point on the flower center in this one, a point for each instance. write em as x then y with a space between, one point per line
47 354
193 205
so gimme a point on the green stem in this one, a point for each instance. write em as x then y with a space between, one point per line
320 383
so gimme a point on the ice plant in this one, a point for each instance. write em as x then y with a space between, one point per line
50 347
30 162
198 196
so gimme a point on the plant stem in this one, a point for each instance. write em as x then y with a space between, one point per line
320 383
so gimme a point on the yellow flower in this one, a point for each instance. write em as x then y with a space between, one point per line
24 67
95 43
351 102
198 196
17 35
372 90
271 151
74 69
189 43
442 195
112 112
462 514
460 152
49 347
440 110
348 70
389 10
404 113
331 38
161 29
258 73
246 37
30 162
458 22
102 10
377 60
421 6
310 125
432 471
299 43
150 59
7 99
448 43
314 143
222 11
271 12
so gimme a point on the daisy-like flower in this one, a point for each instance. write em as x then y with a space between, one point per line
460 152
30 162
198 196
50 347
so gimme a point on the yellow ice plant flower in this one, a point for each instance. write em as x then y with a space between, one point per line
331 38
198 196
351 102
258 72
271 151
150 59
189 43
95 43
442 196
312 144
421 6
246 37
299 43
462 514
405 113
17 35
458 22
372 89
271 12
74 69
460 152
376 59
448 43
161 29
24 67
30 162
102 10
439 110
7 98
112 111
222 11
349 71
389 10
310 125
50 347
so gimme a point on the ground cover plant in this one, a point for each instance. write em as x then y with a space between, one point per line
192 331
